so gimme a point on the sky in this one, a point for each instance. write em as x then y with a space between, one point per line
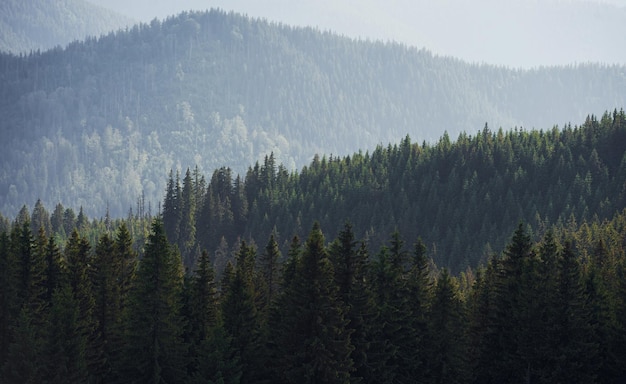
512 33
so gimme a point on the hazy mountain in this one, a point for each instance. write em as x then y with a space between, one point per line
30 25
101 122
514 33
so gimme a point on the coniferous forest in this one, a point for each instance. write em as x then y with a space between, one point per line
495 258
98 123
215 201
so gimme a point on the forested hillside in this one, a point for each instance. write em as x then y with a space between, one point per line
330 310
463 197
98 124
39 25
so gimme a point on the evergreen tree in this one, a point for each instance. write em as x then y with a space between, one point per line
8 295
315 339
78 275
351 277
25 358
268 268
420 291
171 209
40 218
25 361
154 348
110 284
67 341
576 350
396 312
187 227
240 315
447 362
53 268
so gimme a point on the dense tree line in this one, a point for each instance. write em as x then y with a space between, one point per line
327 311
97 122
462 196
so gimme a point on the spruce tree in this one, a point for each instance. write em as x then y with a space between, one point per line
154 349
240 315
8 295
351 277
67 342
78 274
315 339
576 351
447 362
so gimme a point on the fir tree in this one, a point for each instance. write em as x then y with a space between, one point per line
154 327
315 339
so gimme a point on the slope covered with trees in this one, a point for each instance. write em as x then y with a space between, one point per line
547 310
39 25
97 123
462 197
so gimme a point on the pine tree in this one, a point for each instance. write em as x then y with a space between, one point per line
268 268
154 327
516 321
240 315
79 273
447 362
56 220
25 359
315 339
351 275
40 218
420 291
8 295
202 316
576 351
53 268
67 341
109 287
396 312
187 226
171 209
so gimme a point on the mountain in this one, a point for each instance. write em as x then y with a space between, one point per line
513 33
99 123
34 25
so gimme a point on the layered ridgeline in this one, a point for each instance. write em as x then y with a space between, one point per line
34 25
463 197
96 124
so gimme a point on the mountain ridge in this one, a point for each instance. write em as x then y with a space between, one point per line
100 122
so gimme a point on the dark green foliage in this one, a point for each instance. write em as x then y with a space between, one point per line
241 319
113 268
8 293
154 348
354 291
545 312
67 349
23 363
314 344
461 195
397 315
448 355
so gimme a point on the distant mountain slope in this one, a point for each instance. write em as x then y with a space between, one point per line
514 33
30 25
103 121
